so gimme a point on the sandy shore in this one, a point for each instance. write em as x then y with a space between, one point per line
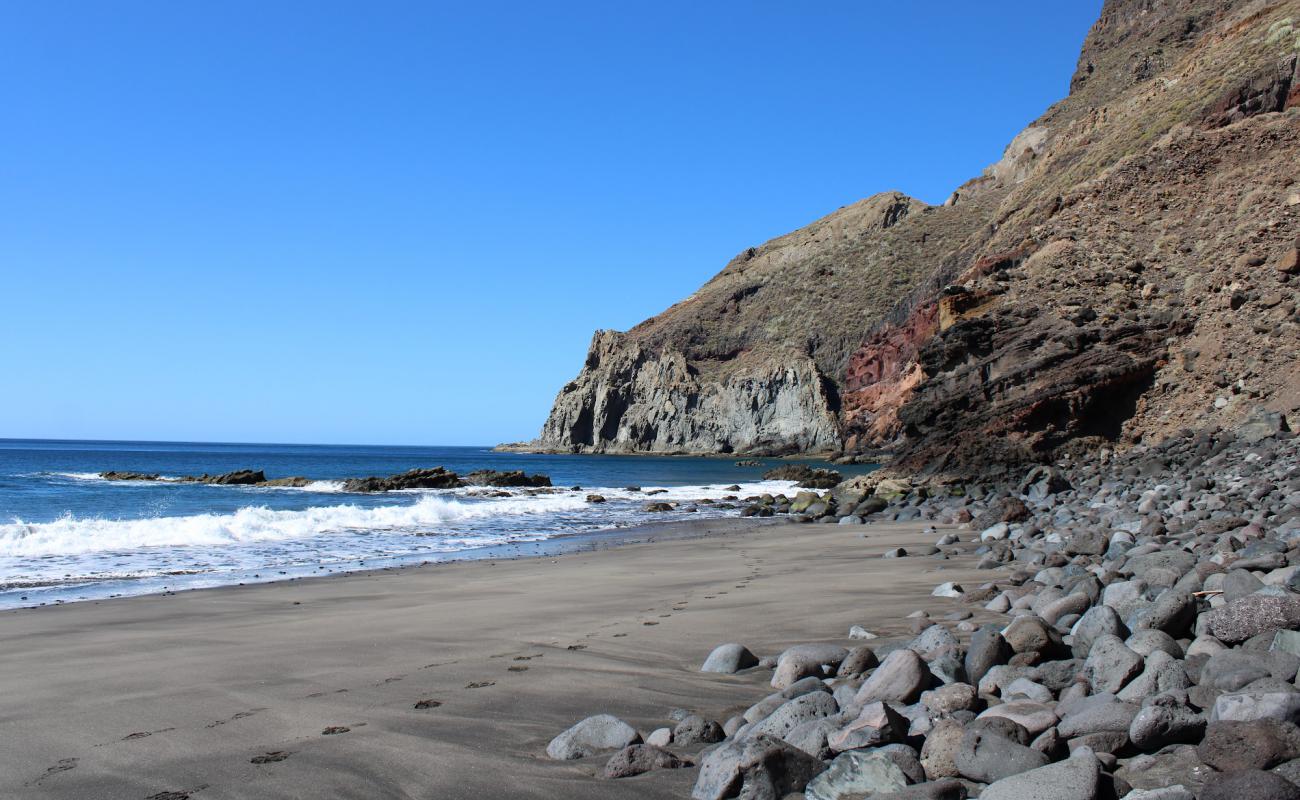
135 697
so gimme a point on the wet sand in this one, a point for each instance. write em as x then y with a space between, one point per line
138 697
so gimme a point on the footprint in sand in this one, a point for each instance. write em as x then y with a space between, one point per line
143 734
182 794
425 704
237 716
62 765
270 757
334 730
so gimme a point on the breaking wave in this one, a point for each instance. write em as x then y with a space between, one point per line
75 536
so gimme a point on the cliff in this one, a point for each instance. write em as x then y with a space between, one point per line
1125 271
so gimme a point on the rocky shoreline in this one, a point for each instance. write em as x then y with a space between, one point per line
1147 646
432 478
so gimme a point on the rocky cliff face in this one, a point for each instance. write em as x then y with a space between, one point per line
1125 271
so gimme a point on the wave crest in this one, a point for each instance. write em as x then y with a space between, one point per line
77 536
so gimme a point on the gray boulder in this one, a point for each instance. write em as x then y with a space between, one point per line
729 658
900 678
934 790
639 758
1076 778
877 724
1096 622
811 706
987 650
591 736
985 757
1239 620
1164 722
1251 784
807 660
1256 744
1162 673
1246 706
1111 717
854 774
758 767
1110 664
695 729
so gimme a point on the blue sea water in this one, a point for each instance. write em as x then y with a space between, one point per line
66 534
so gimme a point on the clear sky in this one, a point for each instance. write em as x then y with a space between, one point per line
392 222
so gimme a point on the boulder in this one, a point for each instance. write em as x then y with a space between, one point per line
638 758
854 774
934 790
1239 620
758 767
900 678
986 757
939 753
987 650
1031 634
1033 717
1096 622
859 660
1076 778
877 724
793 713
695 729
1251 784
1229 746
1165 722
729 658
1110 664
1246 706
807 660
591 736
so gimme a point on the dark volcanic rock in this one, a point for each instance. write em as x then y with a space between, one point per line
118 475
639 758
436 478
804 476
1252 615
758 767
1257 744
492 477
1251 784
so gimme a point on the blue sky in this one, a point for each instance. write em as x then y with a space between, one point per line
393 222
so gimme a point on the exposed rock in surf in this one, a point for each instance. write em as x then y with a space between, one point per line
805 476
121 475
436 478
516 477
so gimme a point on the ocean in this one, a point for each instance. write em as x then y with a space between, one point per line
68 535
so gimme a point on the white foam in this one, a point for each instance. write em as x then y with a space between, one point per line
74 536
688 493
77 476
324 486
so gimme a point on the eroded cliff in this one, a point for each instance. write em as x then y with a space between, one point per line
1124 271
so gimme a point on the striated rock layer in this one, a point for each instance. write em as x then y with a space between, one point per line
1128 269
